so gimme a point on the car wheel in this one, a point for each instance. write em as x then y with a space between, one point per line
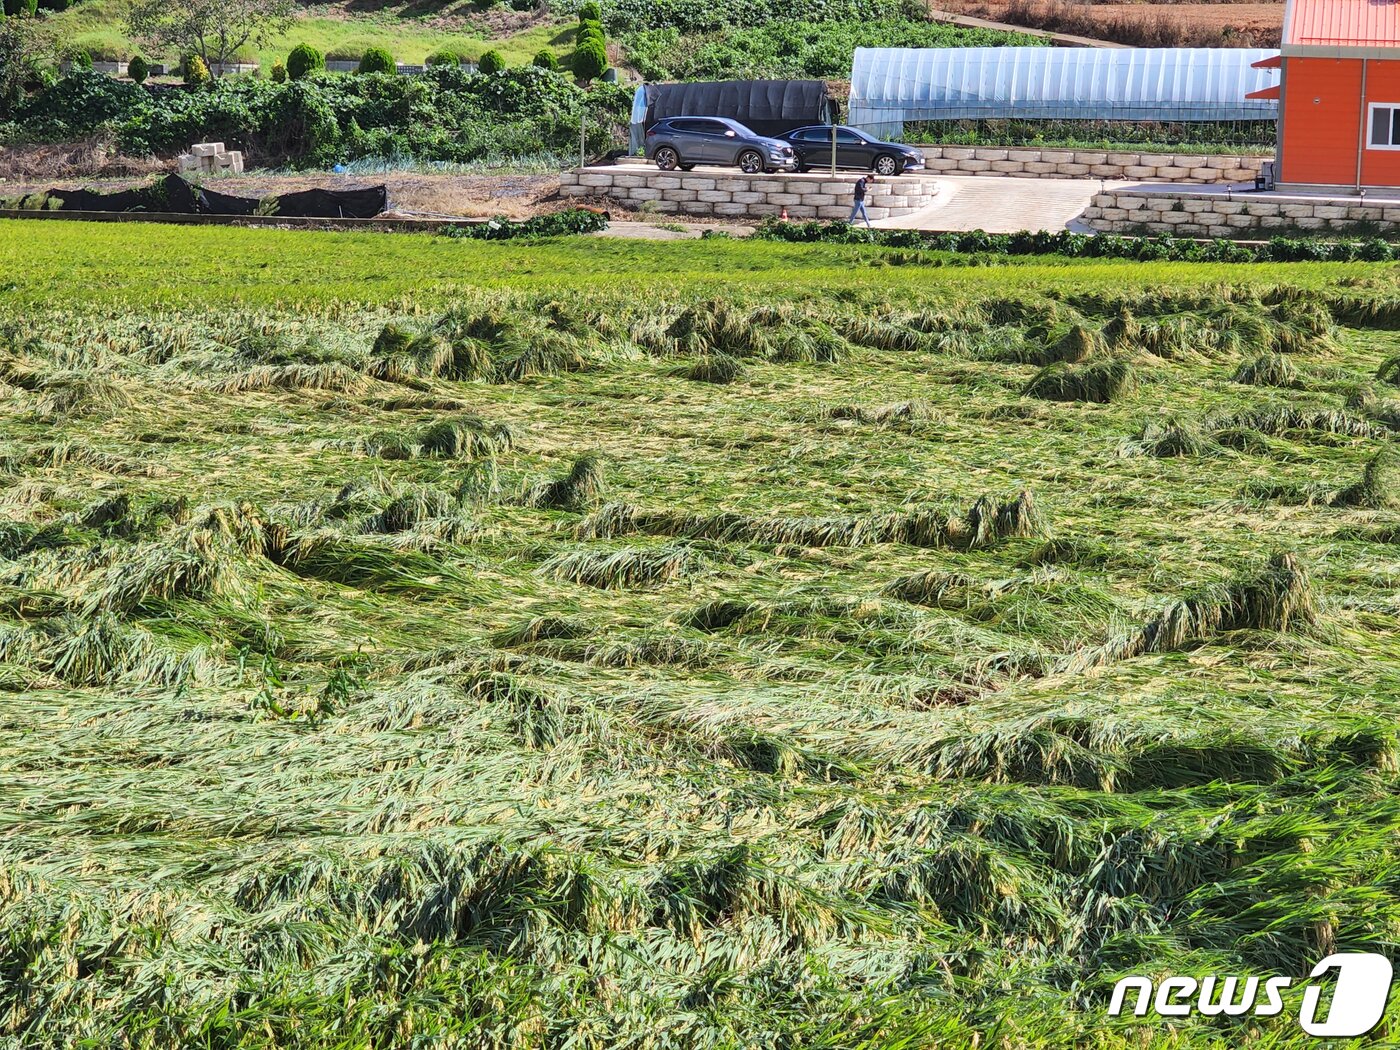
887 165
751 162
687 167
667 159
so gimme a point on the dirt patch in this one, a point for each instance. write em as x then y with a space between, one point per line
91 158
1149 24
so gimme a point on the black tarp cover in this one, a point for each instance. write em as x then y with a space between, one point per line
173 195
769 107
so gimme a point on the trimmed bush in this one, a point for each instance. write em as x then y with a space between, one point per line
590 60
377 60
279 73
304 60
80 59
589 31
545 60
196 73
138 69
443 56
492 62
590 12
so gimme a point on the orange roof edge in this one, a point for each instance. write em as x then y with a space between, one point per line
1268 92
1268 63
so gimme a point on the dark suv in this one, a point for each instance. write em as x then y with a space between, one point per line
854 149
683 142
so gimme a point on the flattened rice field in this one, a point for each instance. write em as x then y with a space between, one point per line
409 642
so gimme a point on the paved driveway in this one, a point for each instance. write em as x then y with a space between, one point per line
1003 205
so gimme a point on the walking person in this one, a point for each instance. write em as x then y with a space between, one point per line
858 208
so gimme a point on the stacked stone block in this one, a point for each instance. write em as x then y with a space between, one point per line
1238 215
738 196
1032 163
210 158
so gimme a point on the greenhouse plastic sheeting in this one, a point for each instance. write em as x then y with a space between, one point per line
897 84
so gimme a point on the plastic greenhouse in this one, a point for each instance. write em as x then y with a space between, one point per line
892 85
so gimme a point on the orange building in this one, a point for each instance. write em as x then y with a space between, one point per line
1339 96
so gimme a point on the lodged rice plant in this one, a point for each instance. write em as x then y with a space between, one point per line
347 702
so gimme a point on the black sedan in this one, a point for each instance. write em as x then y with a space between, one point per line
854 149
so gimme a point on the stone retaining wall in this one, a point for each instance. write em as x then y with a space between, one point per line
1032 163
1238 215
739 196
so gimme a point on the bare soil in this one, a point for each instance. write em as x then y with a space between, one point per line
1224 23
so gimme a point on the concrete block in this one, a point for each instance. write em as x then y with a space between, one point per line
207 149
877 213
731 210
1191 229
188 162
1092 212
1205 174
802 211
1242 222
975 166
1007 167
1265 210
733 185
841 189
1188 162
1090 158
1310 224
1025 156
678 195
1074 170
932 152
1173 218
1131 204
714 196
959 153
697 183
1057 157
590 179
1307 211
940 164
834 211
696 207
1196 205
1106 171
568 178
1240 174
1040 167
784 198
1159 227
1391 214
1358 214
1123 160
578 191
991 155
819 200
1139 171
883 201
749 198
665 207
1222 163
666 182
1172 172
644 193
1327 211
629 181
1116 214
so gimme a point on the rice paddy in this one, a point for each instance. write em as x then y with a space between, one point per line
889 657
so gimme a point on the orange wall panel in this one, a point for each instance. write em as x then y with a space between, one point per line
1321 120
1381 167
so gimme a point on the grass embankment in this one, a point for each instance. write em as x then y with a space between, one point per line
693 644
99 26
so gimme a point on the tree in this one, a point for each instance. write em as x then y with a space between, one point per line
590 60
590 12
19 60
213 30
378 60
138 69
545 60
304 60
491 62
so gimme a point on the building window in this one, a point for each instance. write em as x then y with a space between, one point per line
1385 126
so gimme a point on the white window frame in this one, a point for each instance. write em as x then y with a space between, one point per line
1393 107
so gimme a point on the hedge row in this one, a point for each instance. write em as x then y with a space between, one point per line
695 16
556 224
442 114
1164 248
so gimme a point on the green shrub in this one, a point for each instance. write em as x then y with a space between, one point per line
589 31
590 12
491 62
279 73
196 73
377 60
21 8
304 60
590 60
55 5
545 59
138 69
443 56
79 58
